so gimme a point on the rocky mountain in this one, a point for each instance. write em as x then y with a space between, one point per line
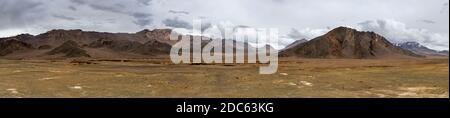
343 42
297 42
10 46
69 49
60 44
420 49
445 52
78 43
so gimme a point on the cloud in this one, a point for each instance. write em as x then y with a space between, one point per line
295 34
278 1
144 2
218 29
72 8
206 25
444 8
310 18
63 17
113 9
177 23
306 33
142 19
428 21
140 15
398 32
178 12
16 13
79 2
143 22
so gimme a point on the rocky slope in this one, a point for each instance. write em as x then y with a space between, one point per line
345 42
9 46
57 44
78 43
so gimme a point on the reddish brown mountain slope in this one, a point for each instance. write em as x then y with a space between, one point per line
345 42
12 45
78 43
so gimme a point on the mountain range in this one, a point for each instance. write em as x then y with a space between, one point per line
420 49
82 44
340 42
343 42
62 44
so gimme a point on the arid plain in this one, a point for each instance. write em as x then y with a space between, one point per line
156 78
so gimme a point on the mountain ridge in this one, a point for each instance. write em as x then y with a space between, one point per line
76 43
420 49
343 42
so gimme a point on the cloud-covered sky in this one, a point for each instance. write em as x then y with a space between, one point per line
424 21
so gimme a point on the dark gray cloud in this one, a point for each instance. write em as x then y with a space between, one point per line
113 9
63 17
143 22
121 6
428 21
16 13
177 23
445 8
79 2
142 19
178 12
141 15
72 8
144 2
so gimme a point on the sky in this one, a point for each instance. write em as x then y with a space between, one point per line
423 21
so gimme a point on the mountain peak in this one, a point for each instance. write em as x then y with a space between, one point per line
344 42
143 31
162 30
342 29
64 30
420 49
347 30
61 43
69 49
155 31
295 43
25 35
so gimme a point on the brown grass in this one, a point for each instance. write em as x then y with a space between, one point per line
335 78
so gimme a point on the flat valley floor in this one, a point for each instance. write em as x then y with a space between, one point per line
158 78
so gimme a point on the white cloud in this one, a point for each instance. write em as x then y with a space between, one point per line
398 32
10 32
306 33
